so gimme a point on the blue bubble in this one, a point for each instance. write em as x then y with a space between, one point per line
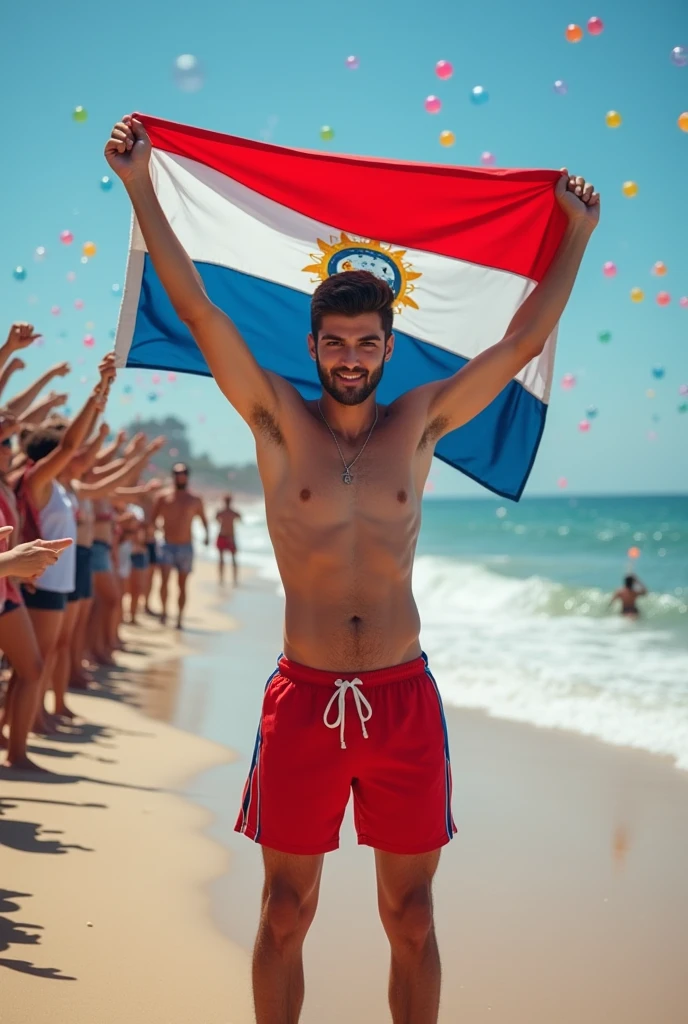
591 412
479 94
19 273
106 183
658 372
128 389
116 289
152 397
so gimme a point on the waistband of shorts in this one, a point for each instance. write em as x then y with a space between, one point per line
102 544
297 673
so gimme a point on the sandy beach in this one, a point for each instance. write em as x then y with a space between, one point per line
562 898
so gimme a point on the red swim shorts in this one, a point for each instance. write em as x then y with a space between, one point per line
225 544
380 734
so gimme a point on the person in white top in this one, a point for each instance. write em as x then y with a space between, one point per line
48 504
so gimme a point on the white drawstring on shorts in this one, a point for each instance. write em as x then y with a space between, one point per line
342 685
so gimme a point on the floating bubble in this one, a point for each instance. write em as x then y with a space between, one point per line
683 302
591 412
78 303
155 379
584 426
63 335
201 418
595 26
568 381
326 133
573 33
79 114
84 259
613 118
33 299
106 183
652 435
679 56
683 389
637 294
479 95
66 237
634 552
82 380
562 482
39 253
609 269
90 325
604 336
171 377
629 189
151 396
683 407
433 104
488 159
71 276
89 249
658 372
188 73
501 512
659 269
444 69
560 87
650 393
683 121
116 289
19 273
55 310
89 341
352 63
447 138
663 298
128 389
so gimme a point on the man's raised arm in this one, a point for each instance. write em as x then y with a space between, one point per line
230 360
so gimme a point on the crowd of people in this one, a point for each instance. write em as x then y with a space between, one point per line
78 544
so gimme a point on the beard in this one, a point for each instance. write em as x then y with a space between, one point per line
180 485
347 394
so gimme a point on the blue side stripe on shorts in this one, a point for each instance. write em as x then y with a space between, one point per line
253 770
448 813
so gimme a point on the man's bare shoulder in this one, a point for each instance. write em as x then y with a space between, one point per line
274 425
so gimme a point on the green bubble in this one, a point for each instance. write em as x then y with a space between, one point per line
604 336
79 113
683 407
326 133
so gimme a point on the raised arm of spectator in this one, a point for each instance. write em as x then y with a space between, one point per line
8 371
40 479
85 460
109 452
131 469
20 403
20 336
39 411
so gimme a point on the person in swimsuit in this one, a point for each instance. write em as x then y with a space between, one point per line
352 704
628 594
226 541
177 509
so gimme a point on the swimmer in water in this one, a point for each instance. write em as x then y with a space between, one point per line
628 594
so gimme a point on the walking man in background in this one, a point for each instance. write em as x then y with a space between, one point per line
177 509
226 541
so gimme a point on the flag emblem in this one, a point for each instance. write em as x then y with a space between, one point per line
345 252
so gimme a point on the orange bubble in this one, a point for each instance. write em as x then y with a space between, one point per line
574 33
659 269
634 552
683 121
447 138
630 189
89 249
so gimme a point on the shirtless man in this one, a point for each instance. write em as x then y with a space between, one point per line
628 595
226 541
177 509
352 704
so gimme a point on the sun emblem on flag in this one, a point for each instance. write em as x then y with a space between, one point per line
380 258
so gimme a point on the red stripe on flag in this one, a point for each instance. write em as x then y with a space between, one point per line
506 219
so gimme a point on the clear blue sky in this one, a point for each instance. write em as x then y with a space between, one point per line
282 65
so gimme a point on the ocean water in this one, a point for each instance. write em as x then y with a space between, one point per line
514 604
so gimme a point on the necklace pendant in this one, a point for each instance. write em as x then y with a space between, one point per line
347 477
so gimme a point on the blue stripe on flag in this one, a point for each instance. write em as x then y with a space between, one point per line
497 448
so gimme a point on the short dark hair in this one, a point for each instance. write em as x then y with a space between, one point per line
42 442
179 468
629 581
351 293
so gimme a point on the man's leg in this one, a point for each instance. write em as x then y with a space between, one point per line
290 897
182 577
164 587
221 565
235 569
404 888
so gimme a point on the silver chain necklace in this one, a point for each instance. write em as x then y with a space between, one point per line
346 475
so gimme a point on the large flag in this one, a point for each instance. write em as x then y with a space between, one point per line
264 225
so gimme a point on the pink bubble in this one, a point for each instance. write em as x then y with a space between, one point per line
352 63
609 269
683 302
71 276
78 303
652 435
584 426
66 237
568 381
55 310
444 69
201 418
171 377
595 26
433 104
488 159
683 389
155 379
89 341
562 482
663 299
173 452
